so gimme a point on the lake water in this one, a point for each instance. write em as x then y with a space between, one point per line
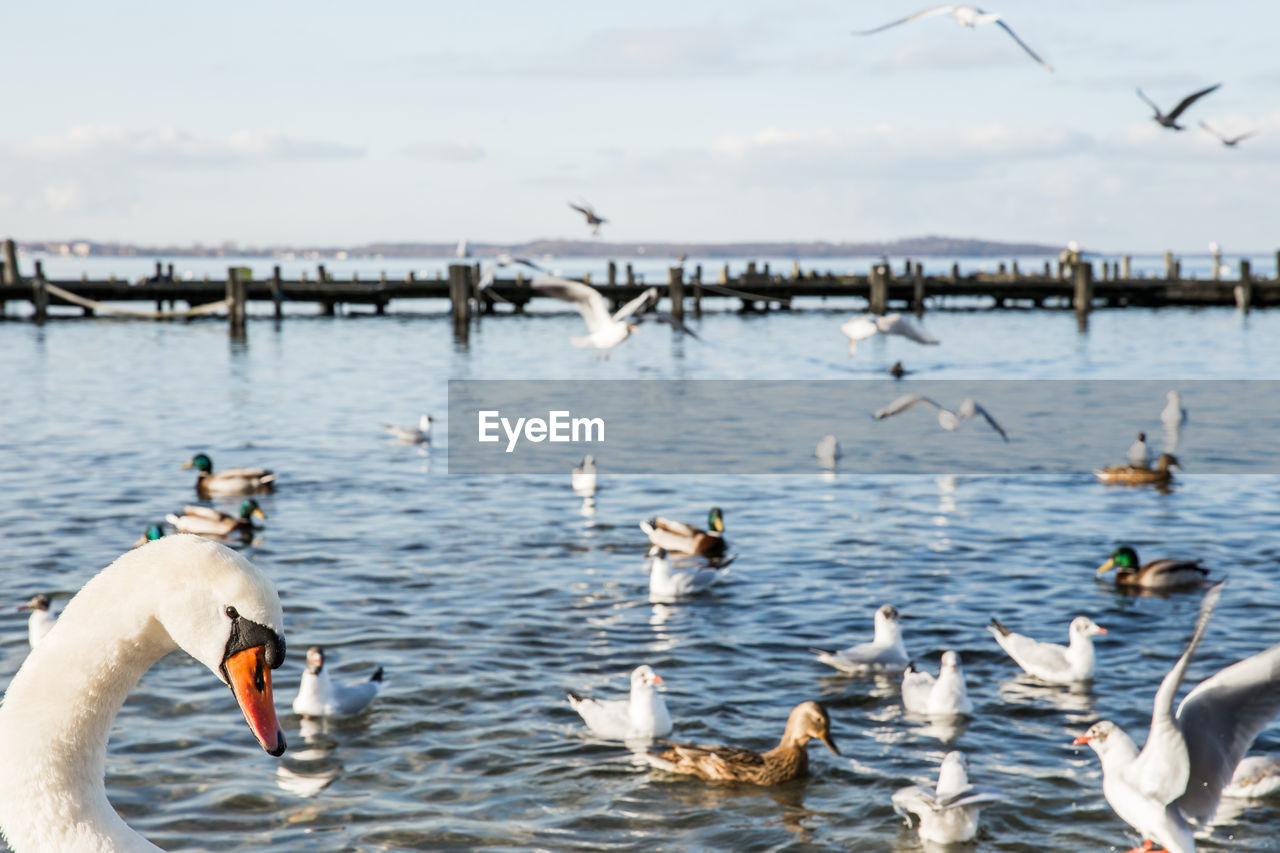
486 597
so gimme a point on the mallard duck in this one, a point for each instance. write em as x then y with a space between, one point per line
679 538
786 761
1133 475
153 532
1164 573
207 521
230 481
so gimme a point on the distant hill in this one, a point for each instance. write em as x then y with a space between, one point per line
921 247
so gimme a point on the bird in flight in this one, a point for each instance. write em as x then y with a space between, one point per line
968 16
1229 141
606 330
947 419
593 219
1171 119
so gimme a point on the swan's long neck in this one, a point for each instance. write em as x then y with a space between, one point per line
57 715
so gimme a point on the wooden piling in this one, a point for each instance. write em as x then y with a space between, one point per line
1168 266
1177 270
277 295
1083 291
1125 266
631 275
236 286
955 273
13 276
39 295
697 291
1244 290
1048 269
879 289
917 288
675 292
169 274
459 295
1217 264
613 273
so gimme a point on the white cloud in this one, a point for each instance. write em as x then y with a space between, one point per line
64 197
459 150
169 146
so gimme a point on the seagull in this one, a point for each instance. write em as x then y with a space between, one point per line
318 696
583 478
642 715
949 813
1170 120
828 451
1229 141
421 434
968 16
594 220
884 652
861 328
941 696
1173 415
666 586
1050 662
504 259
606 331
947 419
1139 455
1256 776
1190 756
41 620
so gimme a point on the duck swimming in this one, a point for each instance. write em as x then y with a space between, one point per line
207 521
679 538
1165 573
1133 475
230 481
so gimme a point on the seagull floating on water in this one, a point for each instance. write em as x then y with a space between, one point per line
319 696
885 652
967 16
41 620
947 419
1050 662
1229 141
1173 415
643 714
421 434
948 814
828 451
1169 120
1191 756
667 586
583 477
860 328
941 696
593 219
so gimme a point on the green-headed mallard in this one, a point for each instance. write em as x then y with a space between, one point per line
786 761
230 481
1164 573
679 538
1133 475
207 521
153 532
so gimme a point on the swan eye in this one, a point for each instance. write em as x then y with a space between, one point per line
232 613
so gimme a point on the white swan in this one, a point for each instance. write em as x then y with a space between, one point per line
177 592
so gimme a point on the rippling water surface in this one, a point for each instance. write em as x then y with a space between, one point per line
486 598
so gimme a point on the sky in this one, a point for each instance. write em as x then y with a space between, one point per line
338 124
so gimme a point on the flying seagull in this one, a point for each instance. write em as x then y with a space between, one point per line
594 220
1229 141
504 259
1170 120
860 328
947 419
969 16
606 330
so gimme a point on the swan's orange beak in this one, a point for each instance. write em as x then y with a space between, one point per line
250 680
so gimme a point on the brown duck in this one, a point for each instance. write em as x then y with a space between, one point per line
1133 475
1165 573
680 538
786 761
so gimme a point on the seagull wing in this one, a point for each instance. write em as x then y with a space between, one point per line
969 408
586 299
923 13
896 324
1220 719
525 262
973 795
585 211
488 277
1243 136
1189 100
901 404
1163 768
859 328
1002 25
635 305
1213 132
1150 102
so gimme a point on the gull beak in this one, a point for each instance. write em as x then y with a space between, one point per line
1107 566
657 679
250 681
1102 630
1080 741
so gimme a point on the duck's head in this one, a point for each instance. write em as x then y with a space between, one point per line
315 660
715 520
1124 557
1167 461
224 612
37 602
250 509
151 534
644 676
810 720
1083 626
201 462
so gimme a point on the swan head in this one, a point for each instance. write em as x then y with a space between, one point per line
224 612
201 462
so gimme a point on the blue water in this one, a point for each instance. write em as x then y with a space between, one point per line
486 598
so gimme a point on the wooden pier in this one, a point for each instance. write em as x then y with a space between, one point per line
1079 285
